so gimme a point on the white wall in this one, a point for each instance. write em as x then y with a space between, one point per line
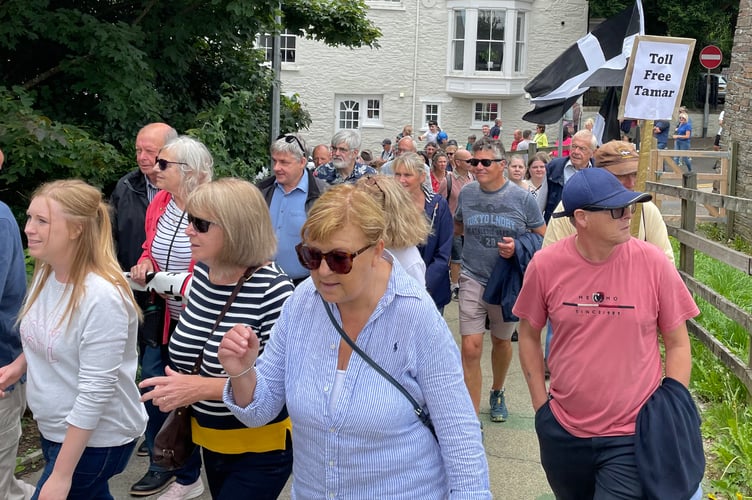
405 73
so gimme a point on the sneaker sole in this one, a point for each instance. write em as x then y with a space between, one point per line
147 493
498 419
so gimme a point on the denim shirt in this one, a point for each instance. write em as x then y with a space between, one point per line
372 445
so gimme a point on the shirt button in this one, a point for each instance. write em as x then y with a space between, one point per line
331 463
332 430
332 347
326 388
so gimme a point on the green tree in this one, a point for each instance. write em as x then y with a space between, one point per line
707 21
82 76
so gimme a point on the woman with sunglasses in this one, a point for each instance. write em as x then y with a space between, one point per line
79 325
232 241
182 165
356 435
409 172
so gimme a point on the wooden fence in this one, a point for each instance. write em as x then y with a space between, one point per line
720 205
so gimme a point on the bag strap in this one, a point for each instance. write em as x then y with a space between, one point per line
246 275
422 414
449 184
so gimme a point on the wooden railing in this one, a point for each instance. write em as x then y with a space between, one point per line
722 203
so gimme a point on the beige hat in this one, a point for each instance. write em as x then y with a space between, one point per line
618 157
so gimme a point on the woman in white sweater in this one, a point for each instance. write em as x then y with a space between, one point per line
78 328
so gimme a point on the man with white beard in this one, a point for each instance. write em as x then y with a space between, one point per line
344 166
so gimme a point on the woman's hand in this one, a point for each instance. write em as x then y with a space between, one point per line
139 271
238 350
173 390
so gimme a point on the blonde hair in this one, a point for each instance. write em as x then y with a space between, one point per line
344 205
412 162
406 225
239 209
93 252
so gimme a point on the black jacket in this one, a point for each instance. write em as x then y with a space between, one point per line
316 188
129 201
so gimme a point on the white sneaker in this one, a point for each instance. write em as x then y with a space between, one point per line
178 491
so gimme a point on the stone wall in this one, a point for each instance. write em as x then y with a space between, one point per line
736 123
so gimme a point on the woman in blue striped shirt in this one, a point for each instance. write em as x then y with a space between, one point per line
232 241
356 435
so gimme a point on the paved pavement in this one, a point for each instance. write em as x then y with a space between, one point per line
511 447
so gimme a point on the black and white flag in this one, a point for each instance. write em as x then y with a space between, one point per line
597 60
606 127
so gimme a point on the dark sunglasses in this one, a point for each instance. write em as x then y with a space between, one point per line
289 139
486 163
616 213
200 225
163 164
338 261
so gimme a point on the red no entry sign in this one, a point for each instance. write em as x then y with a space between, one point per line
711 57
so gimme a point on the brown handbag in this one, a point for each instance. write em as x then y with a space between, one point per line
173 444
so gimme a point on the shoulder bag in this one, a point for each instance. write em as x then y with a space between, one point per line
174 445
422 413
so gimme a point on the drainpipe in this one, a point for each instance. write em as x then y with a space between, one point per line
415 64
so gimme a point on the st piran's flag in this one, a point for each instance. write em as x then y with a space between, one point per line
606 127
597 60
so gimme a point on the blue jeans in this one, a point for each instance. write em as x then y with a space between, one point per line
95 467
153 364
233 476
683 146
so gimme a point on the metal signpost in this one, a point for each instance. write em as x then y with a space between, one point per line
710 58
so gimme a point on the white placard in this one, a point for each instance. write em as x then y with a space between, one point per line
655 77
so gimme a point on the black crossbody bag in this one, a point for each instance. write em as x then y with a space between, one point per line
422 413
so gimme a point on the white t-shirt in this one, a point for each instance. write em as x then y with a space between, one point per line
410 259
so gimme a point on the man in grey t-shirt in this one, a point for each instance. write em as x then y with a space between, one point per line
491 213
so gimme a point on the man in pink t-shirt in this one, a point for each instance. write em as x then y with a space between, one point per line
609 298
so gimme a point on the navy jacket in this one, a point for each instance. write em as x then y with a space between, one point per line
506 278
555 180
438 248
668 443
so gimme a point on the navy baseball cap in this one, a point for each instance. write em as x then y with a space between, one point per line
596 188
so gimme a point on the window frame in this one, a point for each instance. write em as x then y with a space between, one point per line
370 111
492 115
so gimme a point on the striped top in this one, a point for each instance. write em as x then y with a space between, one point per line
369 443
171 248
257 305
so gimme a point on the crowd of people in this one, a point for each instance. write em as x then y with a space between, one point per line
312 342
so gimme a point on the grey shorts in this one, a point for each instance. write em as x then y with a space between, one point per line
473 312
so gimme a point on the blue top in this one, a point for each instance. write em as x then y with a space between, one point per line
438 248
288 212
682 130
372 445
12 285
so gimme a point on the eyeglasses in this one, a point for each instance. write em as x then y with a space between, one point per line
449 154
485 162
335 149
338 261
616 213
289 139
200 225
163 164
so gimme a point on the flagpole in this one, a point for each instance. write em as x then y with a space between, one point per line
646 145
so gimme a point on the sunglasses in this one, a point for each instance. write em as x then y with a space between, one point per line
200 225
616 213
289 139
338 261
486 163
163 164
